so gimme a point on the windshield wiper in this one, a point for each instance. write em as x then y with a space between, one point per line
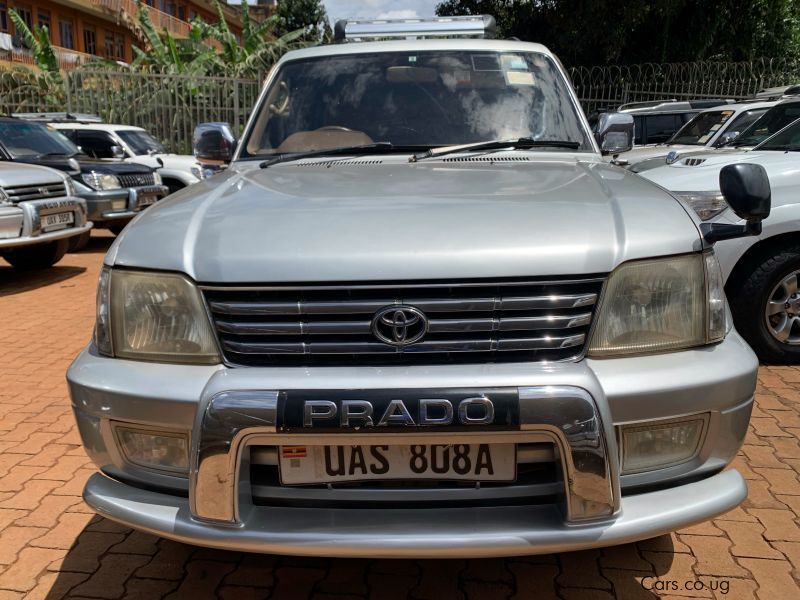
377 147
48 154
783 148
523 143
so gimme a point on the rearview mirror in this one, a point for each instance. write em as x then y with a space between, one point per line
726 138
214 142
117 152
746 189
614 132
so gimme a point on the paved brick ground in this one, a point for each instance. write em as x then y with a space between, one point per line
51 546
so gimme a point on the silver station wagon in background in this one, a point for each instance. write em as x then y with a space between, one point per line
418 315
39 214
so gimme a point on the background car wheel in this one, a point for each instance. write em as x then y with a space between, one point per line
766 307
174 185
79 242
116 229
39 256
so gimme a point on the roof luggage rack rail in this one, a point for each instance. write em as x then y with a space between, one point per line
354 30
58 117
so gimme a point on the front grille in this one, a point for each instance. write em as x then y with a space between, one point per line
36 192
136 180
474 322
539 480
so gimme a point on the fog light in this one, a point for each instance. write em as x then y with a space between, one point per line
162 450
119 204
658 445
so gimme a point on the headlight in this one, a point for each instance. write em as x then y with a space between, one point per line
70 187
100 181
157 178
198 172
152 316
661 305
706 204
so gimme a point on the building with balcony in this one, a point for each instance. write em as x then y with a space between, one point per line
83 29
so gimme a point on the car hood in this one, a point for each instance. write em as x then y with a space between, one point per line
86 165
14 174
389 220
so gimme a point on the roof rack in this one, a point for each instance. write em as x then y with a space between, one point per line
354 30
58 117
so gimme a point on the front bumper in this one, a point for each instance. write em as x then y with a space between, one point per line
117 207
597 506
21 225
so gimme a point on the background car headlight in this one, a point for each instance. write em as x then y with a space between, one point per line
198 172
706 204
661 305
157 178
153 316
100 181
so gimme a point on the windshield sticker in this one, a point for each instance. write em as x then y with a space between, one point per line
513 62
485 62
716 126
519 78
703 139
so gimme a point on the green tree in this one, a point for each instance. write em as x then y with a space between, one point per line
38 42
591 32
308 15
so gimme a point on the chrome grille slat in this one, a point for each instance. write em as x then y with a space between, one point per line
478 321
346 347
434 325
36 192
424 304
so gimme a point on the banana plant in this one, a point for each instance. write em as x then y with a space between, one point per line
38 42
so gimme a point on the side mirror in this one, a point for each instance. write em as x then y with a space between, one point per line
614 132
726 138
746 189
214 142
117 152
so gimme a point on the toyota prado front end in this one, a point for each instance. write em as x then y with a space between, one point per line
419 315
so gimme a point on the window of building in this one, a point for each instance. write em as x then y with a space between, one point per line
3 17
89 40
182 12
25 13
43 19
65 34
108 46
120 46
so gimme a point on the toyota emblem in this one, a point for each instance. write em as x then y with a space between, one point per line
399 325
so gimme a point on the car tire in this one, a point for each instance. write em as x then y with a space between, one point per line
174 185
40 256
764 309
79 242
116 229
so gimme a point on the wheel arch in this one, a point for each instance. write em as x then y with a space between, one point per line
756 253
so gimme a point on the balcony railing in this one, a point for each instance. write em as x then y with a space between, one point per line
160 19
67 59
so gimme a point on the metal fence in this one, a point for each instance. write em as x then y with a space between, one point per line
608 87
171 105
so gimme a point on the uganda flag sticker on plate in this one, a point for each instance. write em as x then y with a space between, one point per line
293 451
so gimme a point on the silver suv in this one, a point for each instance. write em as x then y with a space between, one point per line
419 315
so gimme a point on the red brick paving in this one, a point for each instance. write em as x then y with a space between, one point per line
52 546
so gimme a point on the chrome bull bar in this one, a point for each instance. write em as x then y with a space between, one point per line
564 415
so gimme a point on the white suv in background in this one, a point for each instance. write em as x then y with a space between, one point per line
711 128
134 144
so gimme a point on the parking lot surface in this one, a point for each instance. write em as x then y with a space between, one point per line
52 546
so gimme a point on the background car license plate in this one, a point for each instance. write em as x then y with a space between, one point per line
329 464
57 221
146 201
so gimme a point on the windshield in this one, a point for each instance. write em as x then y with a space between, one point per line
419 99
141 142
26 139
701 128
770 123
788 139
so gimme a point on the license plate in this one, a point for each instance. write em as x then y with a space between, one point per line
145 201
330 464
57 221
